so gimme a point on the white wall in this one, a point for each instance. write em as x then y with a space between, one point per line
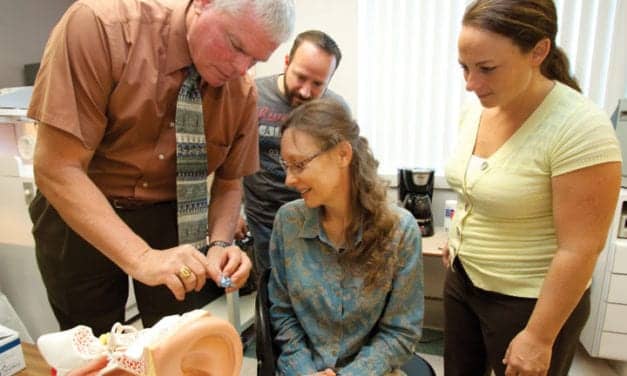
339 20
26 24
24 29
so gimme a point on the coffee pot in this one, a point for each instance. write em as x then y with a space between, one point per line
415 193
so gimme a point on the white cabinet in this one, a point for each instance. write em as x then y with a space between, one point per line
605 333
20 280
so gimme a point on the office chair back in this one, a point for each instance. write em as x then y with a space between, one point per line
418 366
267 351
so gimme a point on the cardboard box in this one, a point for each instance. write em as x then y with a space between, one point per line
11 355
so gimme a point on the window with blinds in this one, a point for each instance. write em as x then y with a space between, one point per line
411 89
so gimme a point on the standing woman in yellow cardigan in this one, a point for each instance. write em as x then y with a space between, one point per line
537 173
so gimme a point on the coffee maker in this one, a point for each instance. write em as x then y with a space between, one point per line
415 193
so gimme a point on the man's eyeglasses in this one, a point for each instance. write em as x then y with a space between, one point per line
298 167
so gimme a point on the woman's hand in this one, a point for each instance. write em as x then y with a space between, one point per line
326 372
527 355
446 255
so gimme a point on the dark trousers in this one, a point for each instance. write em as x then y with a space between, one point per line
479 326
85 287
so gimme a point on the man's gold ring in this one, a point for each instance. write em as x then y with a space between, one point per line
185 272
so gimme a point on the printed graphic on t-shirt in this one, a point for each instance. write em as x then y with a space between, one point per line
270 140
266 115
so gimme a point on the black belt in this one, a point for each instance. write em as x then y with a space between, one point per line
130 203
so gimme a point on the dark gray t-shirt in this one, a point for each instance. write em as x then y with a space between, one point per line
265 191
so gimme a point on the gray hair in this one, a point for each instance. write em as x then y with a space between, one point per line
275 16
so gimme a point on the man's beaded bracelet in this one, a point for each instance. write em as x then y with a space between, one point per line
219 243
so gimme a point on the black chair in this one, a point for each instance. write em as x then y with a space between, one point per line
267 351
418 366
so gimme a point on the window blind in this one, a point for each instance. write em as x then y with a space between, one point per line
411 89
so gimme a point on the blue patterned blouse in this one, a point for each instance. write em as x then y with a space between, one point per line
322 317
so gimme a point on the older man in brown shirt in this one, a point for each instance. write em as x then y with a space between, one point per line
105 163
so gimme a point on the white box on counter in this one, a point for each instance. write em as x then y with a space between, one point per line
11 355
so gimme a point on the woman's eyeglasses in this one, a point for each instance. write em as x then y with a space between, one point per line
298 167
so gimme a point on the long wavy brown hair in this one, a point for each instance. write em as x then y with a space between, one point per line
330 123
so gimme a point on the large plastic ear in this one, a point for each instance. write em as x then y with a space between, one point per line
540 51
203 345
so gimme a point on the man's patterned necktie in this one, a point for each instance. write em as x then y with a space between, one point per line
191 164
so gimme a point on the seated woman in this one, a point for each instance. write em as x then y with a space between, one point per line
346 287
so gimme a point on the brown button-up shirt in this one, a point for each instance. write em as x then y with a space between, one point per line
110 76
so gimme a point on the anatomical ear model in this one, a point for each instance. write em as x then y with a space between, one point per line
192 344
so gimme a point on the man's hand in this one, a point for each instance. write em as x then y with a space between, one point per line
182 269
527 355
231 262
91 368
